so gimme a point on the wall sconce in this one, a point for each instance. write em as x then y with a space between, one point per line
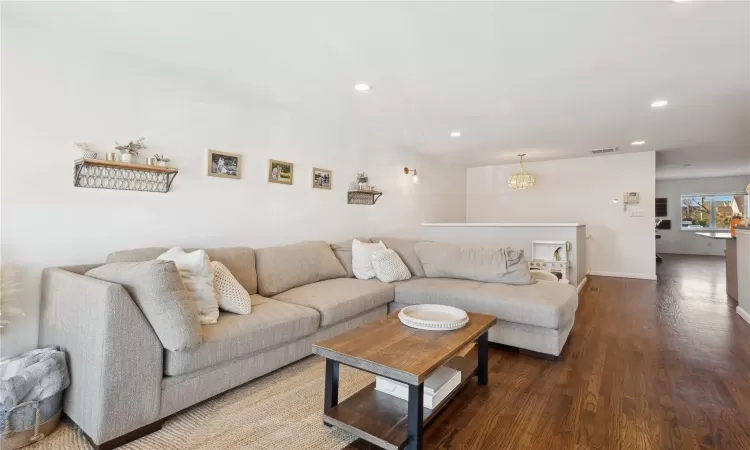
415 177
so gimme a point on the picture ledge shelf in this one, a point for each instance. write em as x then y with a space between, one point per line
103 174
363 197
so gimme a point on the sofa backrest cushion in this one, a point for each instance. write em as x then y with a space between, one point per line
405 249
136 255
239 260
289 266
478 263
343 252
156 287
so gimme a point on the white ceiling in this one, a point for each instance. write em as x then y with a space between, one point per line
551 79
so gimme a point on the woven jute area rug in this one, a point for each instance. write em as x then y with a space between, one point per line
277 412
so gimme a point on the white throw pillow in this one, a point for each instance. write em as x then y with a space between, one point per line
198 277
389 267
362 258
233 297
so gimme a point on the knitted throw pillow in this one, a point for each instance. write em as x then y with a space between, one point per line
389 267
233 297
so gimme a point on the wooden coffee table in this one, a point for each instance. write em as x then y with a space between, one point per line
390 349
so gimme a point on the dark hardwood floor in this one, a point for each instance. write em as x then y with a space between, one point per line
648 365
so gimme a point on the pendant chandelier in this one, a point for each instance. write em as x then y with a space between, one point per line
522 179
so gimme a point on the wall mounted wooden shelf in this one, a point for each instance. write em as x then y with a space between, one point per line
102 174
362 197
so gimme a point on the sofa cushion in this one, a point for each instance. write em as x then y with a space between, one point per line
239 260
289 266
478 263
136 255
343 252
272 323
548 305
405 249
156 287
339 299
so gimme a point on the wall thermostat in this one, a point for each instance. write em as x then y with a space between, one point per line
630 198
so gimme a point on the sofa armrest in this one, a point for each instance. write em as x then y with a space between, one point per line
114 356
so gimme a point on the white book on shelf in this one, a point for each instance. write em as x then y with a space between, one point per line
436 387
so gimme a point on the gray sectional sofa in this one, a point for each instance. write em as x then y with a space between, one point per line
124 382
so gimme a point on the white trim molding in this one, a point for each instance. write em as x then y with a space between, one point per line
583 283
742 313
641 276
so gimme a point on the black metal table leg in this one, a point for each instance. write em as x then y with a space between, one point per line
482 356
332 385
415 420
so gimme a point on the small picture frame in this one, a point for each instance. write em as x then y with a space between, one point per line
321 178
224 164
280 172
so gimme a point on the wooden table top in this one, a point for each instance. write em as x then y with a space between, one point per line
391 349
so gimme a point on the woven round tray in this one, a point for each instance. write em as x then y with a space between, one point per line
433 317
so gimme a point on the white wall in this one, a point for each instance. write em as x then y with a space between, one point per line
56 92
686 242
578 190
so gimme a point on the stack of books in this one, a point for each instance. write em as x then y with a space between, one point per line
436 388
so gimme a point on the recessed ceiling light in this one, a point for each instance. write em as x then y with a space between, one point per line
362 87
455 133
659 103
637 142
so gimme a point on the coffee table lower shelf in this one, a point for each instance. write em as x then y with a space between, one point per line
381 418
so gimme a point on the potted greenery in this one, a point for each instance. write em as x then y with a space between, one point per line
362 179
85 150
161 161
130 149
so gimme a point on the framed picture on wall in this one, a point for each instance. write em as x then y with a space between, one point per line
224 164
280 172
321 178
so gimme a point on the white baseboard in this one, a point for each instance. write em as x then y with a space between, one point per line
742 313
583 283
642 276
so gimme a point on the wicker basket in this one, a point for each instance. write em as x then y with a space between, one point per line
29 422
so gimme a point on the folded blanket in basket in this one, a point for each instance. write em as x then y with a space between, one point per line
32 376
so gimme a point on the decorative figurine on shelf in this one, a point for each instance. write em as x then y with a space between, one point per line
362 179
161 161
130 149
85 150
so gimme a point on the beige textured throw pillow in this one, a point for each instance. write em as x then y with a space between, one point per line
233 297
156 287
198 277
389 267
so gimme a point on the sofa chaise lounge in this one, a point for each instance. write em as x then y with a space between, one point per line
124 383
